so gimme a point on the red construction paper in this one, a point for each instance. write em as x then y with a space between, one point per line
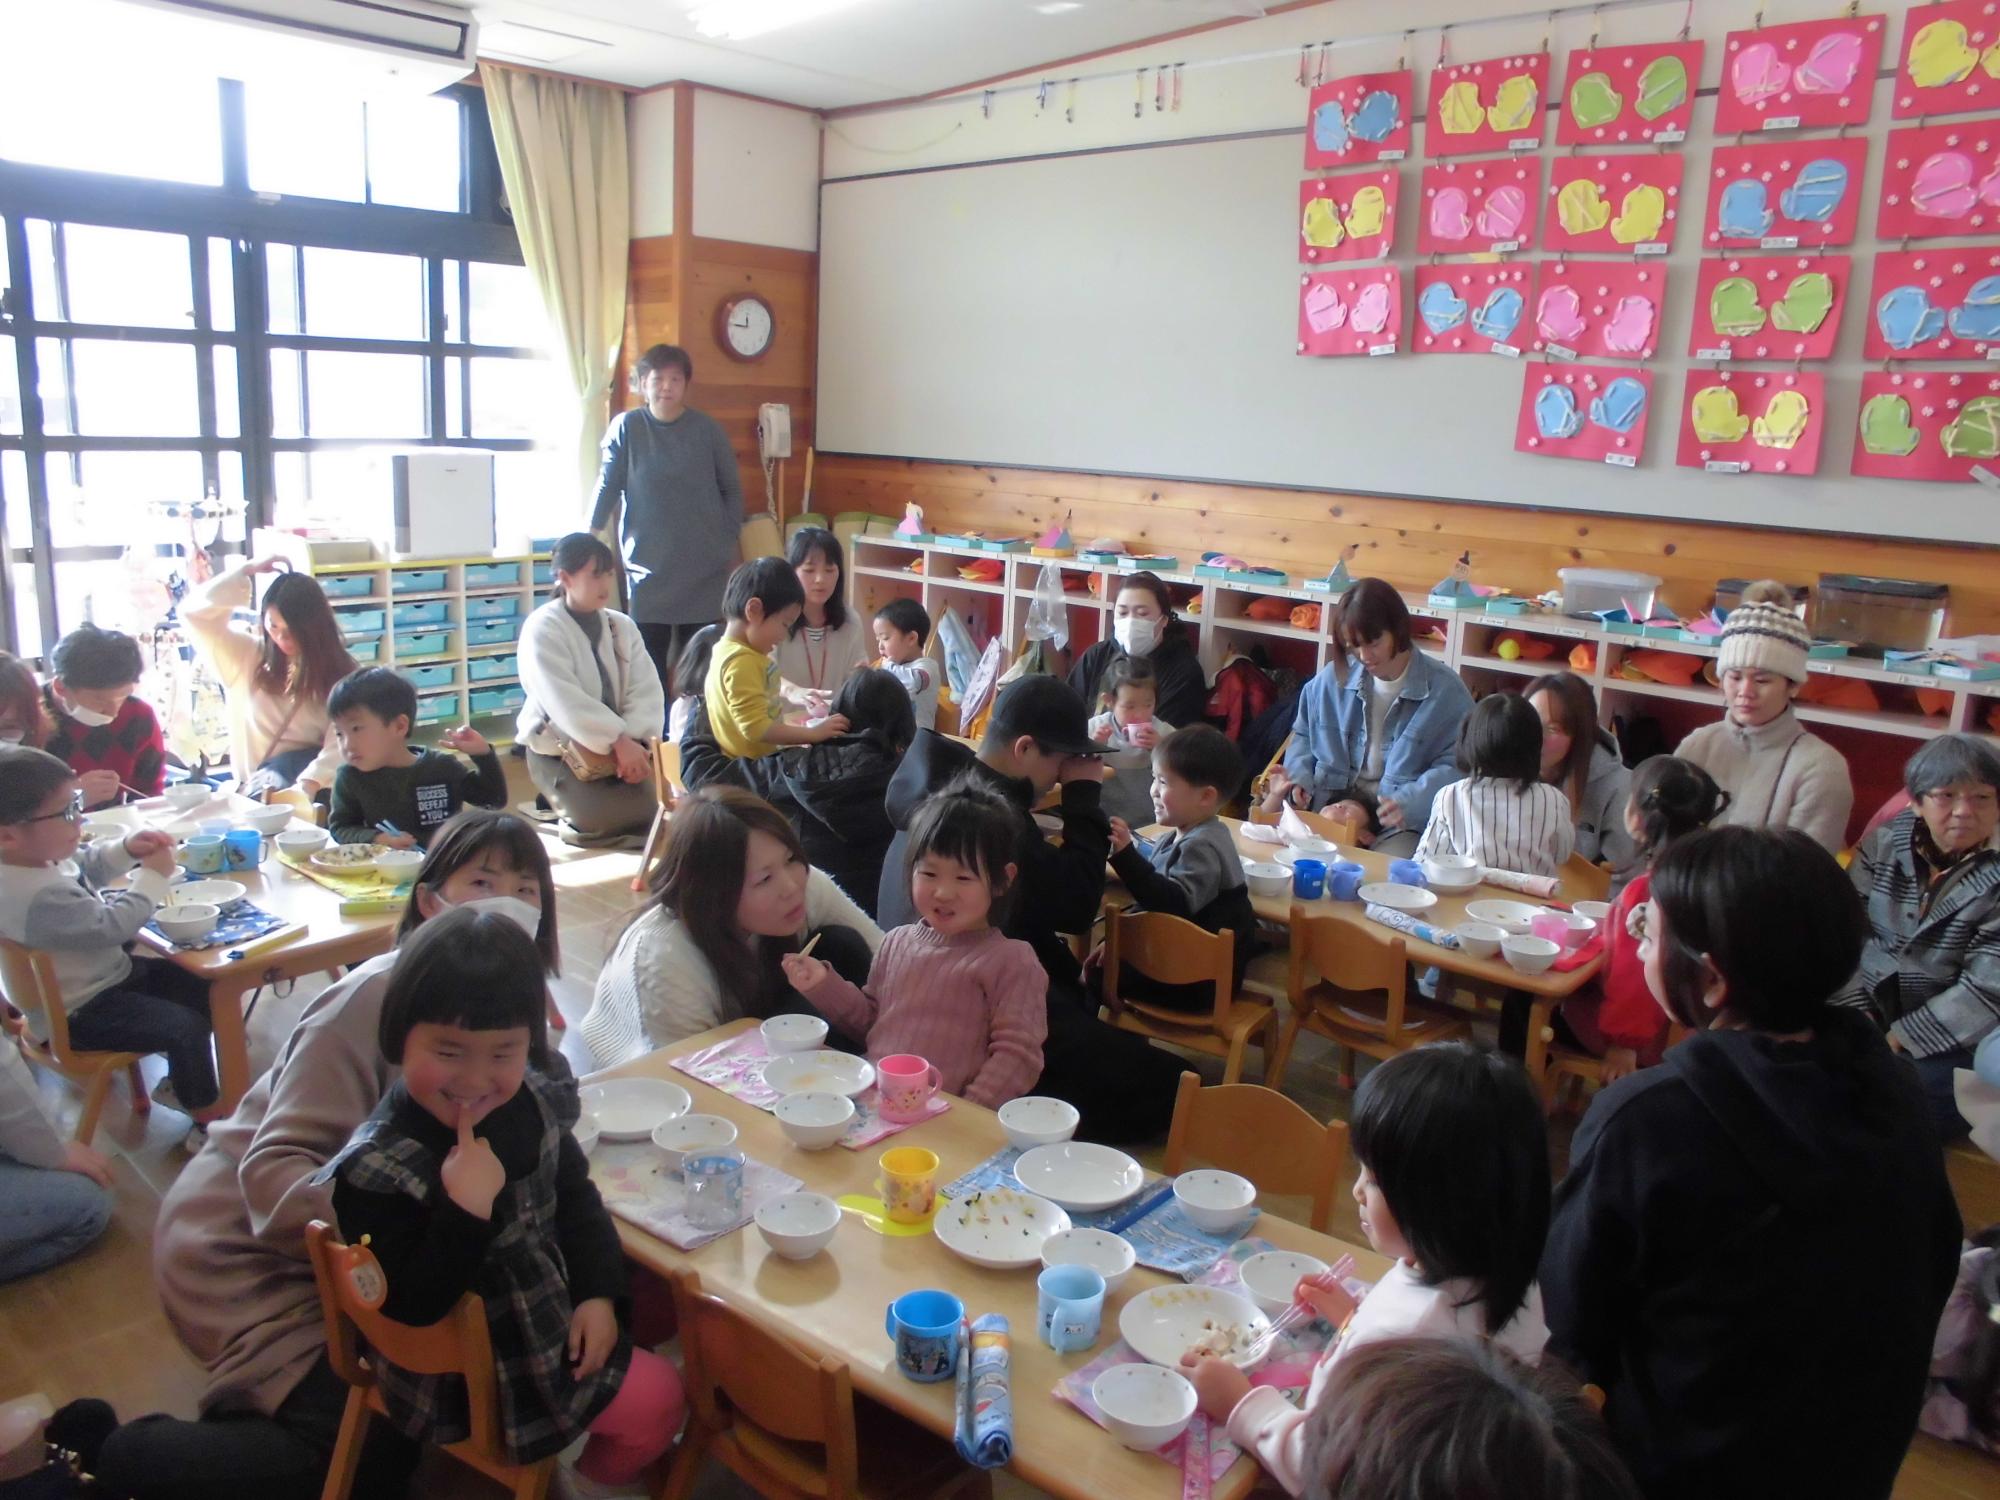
1760 447
1789 181
1341 147
1482 83
1772 277
1474 312
1593 440
1623 68
1810 73
1341 192
1606 184
1940 180
1960 323
1331 303
1597 308
1933 401
1473 206
1949 65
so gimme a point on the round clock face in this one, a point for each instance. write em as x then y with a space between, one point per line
747 328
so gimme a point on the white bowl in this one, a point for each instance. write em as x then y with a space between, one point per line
1509 916
798 1225
1037 1120
1480 939
269 821
1581 929
1272 1277
183 797
103 828
1289 857
1145 1406
1313 847
812 1122
217 893
1528 955
1273 881
1597 911
1451 872
399 864
1397 896
1214 1200
792 1034
344 859
189 923
1109 1255
686 1134
585 1131
300 841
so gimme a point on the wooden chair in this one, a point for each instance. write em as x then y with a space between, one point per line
1176 951
300 804
1584 881
667 787
457 1344
29 976
1353 964
785 1421
1262 1135
1567 1068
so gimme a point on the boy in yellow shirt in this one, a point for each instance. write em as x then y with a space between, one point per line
762 600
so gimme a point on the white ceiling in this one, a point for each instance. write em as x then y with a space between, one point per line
868 52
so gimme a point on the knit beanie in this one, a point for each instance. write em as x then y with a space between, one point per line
1762 634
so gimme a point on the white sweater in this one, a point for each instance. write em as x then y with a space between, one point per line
256 718
561 680
1778 775
1500 825
81 926
657 988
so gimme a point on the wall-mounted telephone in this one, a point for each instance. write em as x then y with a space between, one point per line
774 431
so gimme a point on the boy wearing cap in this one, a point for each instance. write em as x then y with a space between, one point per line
1777 774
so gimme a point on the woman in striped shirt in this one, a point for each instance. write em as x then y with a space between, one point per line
1503 814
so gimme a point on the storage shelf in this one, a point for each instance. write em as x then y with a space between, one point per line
424 661
1271 628
866 572
968 584
1881 722
1523 667
1704 694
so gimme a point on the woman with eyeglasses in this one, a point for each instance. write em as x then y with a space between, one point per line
1756 1237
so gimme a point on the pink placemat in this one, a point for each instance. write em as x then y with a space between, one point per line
636 1185
736 1067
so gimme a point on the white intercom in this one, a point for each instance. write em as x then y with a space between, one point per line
774 431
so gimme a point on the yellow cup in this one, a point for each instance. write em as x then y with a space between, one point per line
908 1184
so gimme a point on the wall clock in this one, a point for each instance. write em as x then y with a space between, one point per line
744 326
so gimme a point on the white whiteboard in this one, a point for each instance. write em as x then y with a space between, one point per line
1134 311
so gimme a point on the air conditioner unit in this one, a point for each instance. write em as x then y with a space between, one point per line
371 46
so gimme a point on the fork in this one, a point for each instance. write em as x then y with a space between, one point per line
1296 1316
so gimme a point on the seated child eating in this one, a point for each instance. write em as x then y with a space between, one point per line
466 1179
1129 734
742 690
114 1004
110 738
1503 814
950 987
901 628
387 792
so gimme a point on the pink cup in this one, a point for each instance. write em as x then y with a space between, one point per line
907 1083
1552 925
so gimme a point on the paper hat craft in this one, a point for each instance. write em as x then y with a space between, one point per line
912 524
1458 583
1055 542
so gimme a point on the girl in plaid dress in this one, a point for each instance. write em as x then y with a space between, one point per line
467 1179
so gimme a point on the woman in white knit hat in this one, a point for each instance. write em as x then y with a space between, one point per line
1776 773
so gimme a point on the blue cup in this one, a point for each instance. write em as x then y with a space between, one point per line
1344 880
1407 872
1308 879
926 1328
202 854
242 849
1069 1307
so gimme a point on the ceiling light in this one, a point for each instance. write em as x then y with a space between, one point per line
1058 7
736 20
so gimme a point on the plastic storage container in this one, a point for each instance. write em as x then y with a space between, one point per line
492 575
442 674
1587 590
545 574
353 622
1886 614
493 607
423 643
416 581
346 585
365 653
437 707
430 612
1729 593
491 632
486 668
498 700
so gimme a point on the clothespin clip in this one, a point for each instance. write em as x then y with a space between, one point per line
1305 50
1177 87
986 104
1139 94
1042 96
1596 25
1069 107
1319 65
1159 89
1687 22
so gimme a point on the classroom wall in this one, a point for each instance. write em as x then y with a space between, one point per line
649 133
756 172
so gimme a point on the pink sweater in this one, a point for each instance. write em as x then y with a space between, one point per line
975 1005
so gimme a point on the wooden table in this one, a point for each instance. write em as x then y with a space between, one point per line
834 1302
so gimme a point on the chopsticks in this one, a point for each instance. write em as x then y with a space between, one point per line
1145 1206
1296 1315
806 952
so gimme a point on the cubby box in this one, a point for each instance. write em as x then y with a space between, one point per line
436 708
417 581
425 643
367 652
545 574
429 612
347 585
492 632
360 622
485 668
492 575
493 607
498 700
438 675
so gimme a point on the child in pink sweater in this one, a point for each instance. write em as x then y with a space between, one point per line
950 988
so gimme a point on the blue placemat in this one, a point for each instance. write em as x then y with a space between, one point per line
238 922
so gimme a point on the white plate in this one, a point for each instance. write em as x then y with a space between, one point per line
339 859
213 892
1162 1323
1000 1229
1453 887
630 1109
1080 1176
1291 856
819 1073
1509 916
1398 897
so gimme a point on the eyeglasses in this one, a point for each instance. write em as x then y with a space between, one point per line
70 814
1942 798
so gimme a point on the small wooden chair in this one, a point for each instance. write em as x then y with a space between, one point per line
1341 830
1582 880
300 804
1353 963
1566 1068
1175 951
457 1344
667 787
785 1421
29 977
1262 1135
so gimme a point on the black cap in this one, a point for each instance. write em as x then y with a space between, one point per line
1048 709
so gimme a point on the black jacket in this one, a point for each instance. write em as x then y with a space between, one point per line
1750 1254
833 794
1183 691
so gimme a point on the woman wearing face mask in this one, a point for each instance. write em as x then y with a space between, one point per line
1581 757
1143 625
109 737
229 1253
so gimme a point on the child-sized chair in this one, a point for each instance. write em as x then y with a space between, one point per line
1261 1135
785 1421
1567 1067
29 977
457 1344
667 787
1174 950
1353 963
1583 880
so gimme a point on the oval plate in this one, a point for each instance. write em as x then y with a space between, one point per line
1509 916
630 1109
1080 1176
213 892
337 859
998 1228
1398 897
1163 1322
819 1073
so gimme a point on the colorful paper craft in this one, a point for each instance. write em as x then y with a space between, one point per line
1752 421
1951 60
1351 312
1592 412
1361 118
1781 195
1613 203
1933 425
1470 206
1628 95
1940 180
1349 217
1471 309
1600 309
1810 73
1482 107
1768 306
1934 304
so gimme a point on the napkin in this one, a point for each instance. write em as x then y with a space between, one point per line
1576 958
1292 826
635 1184
1261 833
1541 886
985 1428
1403 922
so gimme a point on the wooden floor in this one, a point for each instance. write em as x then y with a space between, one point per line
86 1329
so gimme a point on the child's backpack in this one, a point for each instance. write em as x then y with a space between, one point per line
1962 1402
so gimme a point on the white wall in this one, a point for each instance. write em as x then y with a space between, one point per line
649 131
756 172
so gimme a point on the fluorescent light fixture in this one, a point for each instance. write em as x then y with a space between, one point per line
534 44
737 20
1059 7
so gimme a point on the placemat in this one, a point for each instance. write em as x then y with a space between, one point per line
368 883
736 1067
238 922
636 1185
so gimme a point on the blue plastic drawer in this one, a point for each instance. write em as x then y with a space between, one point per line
483 668
491 632
416 580
427 643
545 574
430 612
498 700
346 585
355 622
365 653
491 575
443 674
493 607
437 707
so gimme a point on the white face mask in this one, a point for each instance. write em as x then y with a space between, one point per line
89 718
1136 634
523 914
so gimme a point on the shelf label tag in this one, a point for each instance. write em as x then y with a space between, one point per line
1725 466
1780 122
1622 460
1506 349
